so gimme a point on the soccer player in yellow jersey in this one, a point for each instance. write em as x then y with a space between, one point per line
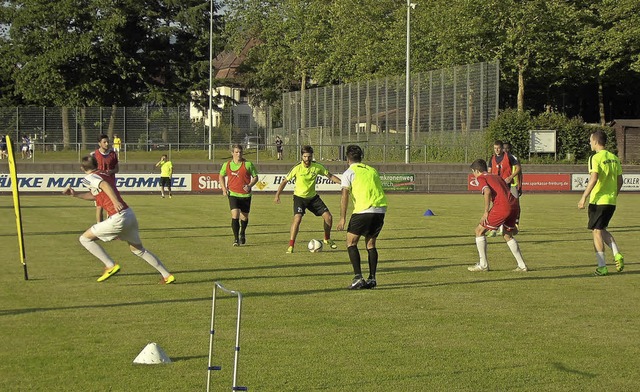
362 183
305 197
605 181
166 171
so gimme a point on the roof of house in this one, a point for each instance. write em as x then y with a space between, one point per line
635 123
226 64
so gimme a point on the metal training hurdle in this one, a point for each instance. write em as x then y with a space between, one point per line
235 387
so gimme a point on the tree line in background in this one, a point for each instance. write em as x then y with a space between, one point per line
76 53
581 58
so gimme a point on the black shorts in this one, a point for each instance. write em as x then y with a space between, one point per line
315 205
165 181
241 203
368 224
600 215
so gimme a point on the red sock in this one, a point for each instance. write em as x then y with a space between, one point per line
292 242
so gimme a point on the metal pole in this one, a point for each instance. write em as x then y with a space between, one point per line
210 73
234 387
237 348
211 333
407 82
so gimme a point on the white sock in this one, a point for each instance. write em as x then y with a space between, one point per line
600 259
153 261
96 250
614 247
481 244
515 249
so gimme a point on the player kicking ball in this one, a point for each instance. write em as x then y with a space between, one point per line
500 208
121 223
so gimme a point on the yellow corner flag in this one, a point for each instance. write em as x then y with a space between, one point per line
16 204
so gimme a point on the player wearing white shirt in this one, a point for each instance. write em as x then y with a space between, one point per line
121 223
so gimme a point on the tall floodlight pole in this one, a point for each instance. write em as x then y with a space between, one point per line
410 6
210 114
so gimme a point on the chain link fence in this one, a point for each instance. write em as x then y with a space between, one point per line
449 112
446 105
139 128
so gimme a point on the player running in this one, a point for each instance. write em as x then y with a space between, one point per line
305 196
121 222
500 209
237 177
603 188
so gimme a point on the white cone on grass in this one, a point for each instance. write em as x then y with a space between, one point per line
152 354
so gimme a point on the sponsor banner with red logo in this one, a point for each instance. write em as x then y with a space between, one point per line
60 182
630 182
210 182
535 183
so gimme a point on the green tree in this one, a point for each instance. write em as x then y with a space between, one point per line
609 43
101 53
532 37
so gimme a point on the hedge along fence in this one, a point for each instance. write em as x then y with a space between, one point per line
572 138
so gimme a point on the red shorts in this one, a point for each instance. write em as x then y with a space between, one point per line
502 216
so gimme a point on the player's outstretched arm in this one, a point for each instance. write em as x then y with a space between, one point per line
335 178
84 195
279 191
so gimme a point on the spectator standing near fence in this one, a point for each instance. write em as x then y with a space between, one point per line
117 144
166 172
305 197
24 147
237 177
122 222
279 148
4 152
603 188
32 141
107 161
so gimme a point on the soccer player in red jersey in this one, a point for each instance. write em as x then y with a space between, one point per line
508 168
237 177
121 222
107 160
500 208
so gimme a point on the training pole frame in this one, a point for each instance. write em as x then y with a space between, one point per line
218 285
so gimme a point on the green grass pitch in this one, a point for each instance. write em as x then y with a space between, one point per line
430 324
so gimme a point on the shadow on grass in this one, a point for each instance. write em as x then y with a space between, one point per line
519 277
563 368
187 358
530 276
